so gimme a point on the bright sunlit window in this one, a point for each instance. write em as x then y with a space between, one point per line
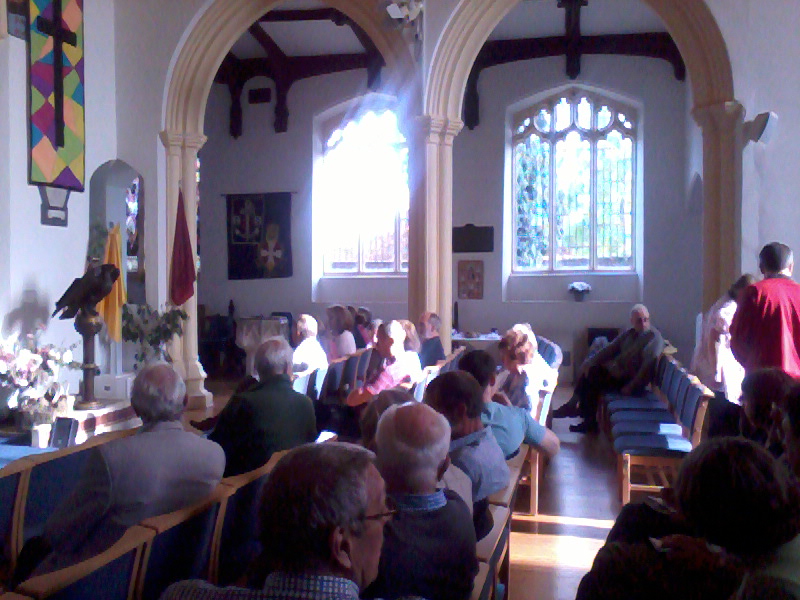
363 196
573 184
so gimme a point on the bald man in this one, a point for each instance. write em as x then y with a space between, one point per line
429 547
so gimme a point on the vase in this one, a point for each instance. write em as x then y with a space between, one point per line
578 295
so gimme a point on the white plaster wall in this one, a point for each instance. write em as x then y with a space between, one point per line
672 226
764 46
43 261
148 33
264 161
5 183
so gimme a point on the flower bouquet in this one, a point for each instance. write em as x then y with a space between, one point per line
29 380
579 289
151 329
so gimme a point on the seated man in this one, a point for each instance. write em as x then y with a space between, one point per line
432 350
398 367
267 417
627 365
323 511
309 355
511 425
158 470
473 448
429 547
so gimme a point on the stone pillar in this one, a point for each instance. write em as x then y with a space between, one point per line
173 143
199 397
722 189
430 278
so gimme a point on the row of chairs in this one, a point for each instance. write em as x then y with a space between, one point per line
32 487
213 540
652 434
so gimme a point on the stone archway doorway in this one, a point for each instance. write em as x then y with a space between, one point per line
198 59
705 54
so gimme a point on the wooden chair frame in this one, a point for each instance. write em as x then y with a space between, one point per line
135 538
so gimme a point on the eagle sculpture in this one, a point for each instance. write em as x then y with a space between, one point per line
85 292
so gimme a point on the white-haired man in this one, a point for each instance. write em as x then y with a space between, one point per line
323 512
429 547
158 470
431 351
266 417
309 354
627 365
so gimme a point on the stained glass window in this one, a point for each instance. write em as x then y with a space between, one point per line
573 184
364 197
132 227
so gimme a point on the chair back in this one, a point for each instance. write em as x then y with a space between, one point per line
301 382
363 366
349 372
550 351
674 383
428 375
661 368
238 542
667 376
182 545
329 393
315 384
13 480
693 395
678 401
111 575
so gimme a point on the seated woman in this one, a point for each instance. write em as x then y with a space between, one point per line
525 373
764 392
740 509
308 355
397 367
340 337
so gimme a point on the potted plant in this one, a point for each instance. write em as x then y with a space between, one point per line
579 290
151 329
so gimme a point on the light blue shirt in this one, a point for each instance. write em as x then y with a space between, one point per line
479 456
512 426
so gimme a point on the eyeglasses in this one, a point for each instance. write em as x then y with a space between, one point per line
391 511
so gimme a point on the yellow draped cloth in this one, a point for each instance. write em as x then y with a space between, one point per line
110 307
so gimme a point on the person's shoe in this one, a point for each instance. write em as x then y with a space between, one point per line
584 427
570 409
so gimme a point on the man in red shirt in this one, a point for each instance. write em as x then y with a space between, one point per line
766 328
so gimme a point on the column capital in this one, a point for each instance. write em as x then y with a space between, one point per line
194 141
172 141
439 130
725 115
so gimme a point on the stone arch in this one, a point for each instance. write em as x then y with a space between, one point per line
189 83
704 51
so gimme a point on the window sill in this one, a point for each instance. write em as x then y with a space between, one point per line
554 286
389 289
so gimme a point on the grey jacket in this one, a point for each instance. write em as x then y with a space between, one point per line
159 470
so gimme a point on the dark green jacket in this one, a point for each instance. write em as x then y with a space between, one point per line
266 418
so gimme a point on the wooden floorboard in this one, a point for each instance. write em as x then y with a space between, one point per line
578 503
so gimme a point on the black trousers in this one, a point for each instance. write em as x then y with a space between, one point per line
591 386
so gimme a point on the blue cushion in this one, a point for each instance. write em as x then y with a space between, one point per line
657 416
657 443
635 404
642 427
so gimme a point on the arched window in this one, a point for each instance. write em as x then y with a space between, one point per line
362 192
573 184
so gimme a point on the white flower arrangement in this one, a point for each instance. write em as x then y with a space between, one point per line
580 286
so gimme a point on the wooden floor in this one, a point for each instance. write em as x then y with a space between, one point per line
578 503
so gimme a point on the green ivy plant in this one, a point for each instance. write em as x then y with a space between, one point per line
151 329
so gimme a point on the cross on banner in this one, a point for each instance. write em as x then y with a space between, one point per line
61 35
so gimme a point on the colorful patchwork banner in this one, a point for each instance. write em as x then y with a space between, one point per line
56 110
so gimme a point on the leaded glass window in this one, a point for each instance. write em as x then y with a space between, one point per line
573 184
364 197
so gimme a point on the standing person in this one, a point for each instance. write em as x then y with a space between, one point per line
714 364
340 341
766 328
309 355
627 364
431 350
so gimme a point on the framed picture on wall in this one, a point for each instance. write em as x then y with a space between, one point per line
470 280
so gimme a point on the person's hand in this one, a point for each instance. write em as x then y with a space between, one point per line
691 551
501 398
626 389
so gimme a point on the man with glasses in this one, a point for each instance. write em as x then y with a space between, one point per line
323 511
429 546
626 365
